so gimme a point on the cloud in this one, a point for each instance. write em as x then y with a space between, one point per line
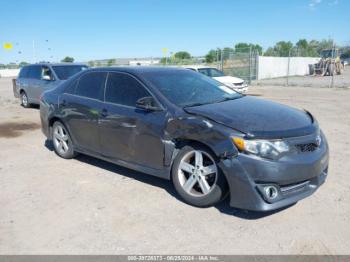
314 3
334 2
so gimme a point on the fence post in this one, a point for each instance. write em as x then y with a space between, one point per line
333 67
250 64
222 60
288 65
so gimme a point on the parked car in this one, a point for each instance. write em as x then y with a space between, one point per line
209 140
34 79
234 83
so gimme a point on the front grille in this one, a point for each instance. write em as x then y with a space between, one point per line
310 147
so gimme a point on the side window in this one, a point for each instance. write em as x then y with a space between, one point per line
124 90
34 72
46 71
70 86
23 73
203 71
91 85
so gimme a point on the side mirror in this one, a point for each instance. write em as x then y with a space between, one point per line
147 103
46 78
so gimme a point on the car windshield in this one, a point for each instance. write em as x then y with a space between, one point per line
66 71
187 88
212 72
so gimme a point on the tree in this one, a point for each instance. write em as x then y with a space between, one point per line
212 56
182 55
23 63
91 63
245 47
111 62
284 48
281 48
68 59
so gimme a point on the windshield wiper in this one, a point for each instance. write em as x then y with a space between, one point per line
196 104
213 102
226 99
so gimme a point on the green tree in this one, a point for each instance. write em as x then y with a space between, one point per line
212 56
68 59
91 63
245 47
182 55
111 62
281 48
23 63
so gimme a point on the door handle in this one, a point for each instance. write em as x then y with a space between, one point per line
104 112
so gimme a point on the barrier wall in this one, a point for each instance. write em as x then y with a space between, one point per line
272 67
9 72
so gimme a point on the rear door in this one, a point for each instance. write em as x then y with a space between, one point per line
126 132
21 81
33 81
81 109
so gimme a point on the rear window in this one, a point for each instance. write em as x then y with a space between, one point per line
34 72
66 71
23 73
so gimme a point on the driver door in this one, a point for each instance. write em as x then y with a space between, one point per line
128 133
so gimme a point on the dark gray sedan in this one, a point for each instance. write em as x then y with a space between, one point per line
181 125
34 79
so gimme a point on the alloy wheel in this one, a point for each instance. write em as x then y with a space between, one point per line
197 173
61 139
24 100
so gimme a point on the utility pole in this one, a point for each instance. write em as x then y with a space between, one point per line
34 58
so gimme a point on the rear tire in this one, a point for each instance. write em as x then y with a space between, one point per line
62 141
24 100
197 177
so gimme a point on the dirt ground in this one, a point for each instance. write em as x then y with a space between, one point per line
49 205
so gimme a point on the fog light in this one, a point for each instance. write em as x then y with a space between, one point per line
271 192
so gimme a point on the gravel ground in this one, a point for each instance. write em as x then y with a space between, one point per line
339 81
49 205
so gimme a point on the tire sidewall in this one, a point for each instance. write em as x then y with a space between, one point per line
217 194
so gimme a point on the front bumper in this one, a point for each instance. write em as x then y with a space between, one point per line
295 177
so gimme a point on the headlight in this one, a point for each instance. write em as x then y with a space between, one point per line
263 148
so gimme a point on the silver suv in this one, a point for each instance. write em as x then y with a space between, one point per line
34 79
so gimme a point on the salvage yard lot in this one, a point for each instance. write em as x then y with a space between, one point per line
49 205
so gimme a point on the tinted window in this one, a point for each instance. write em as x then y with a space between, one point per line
70 87
91 85
24 72
124 89
66 71
212 72
46 71
34 72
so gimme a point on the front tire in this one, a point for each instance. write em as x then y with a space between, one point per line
62 141
197 178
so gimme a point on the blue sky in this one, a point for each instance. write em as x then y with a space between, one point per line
98 29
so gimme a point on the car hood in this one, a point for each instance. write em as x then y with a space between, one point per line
258 117
229 79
